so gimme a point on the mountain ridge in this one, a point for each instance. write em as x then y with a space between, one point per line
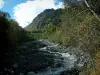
43 19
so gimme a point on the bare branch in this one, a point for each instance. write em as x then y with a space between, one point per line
87 4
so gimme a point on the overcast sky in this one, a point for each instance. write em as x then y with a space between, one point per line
24 11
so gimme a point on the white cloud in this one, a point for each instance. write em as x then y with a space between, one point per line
1 3
24 13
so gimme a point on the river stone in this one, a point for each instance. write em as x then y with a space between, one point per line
15 65
31 73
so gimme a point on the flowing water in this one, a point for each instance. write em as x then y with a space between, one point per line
42 57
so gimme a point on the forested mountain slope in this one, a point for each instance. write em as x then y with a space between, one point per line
44 18
69 26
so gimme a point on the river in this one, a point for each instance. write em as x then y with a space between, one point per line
42 57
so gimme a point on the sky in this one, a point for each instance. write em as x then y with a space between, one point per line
24 11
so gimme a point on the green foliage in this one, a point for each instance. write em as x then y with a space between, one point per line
34 34
73 26
16 33
49 29
13 32
85 33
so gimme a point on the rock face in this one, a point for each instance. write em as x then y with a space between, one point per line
46 17
42 57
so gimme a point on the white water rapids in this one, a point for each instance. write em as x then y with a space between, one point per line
66 59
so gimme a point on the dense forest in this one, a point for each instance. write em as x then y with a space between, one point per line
76 25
